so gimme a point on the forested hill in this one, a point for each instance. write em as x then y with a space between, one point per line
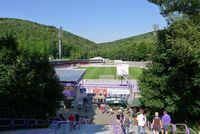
146 37
44 39
133 48
35 37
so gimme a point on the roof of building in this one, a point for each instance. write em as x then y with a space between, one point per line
97 58
70 75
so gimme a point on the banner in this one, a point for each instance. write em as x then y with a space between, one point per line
101 91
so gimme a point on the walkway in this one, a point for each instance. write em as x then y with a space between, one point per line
87 129
28 131
95 129
101 124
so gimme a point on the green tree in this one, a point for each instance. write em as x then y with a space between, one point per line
179 8
188 7
28 86
172 78
8 57
40 90
141 51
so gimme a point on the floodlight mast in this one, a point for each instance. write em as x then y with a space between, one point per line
155 28
59 42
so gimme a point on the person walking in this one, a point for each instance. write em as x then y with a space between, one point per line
141 118
122 120
166 121
102 108
118 124
156 123
77 118
71 119
126 123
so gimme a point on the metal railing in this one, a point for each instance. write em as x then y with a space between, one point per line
178 128
23 123
6 123
58 127
191 131
55 127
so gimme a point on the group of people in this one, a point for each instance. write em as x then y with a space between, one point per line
161 124
124 122
83 119
83 105
105 109
158 124
73 120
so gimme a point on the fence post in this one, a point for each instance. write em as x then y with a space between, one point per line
13 124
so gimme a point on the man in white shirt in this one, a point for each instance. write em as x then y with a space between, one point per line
141 118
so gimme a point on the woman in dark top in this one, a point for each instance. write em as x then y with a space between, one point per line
157 124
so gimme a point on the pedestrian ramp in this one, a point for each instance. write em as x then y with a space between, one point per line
85 129
94 129
28 131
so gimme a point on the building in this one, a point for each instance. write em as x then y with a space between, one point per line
70 79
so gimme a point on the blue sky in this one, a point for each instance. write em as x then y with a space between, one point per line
96 20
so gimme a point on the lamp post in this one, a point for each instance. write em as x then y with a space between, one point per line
59 42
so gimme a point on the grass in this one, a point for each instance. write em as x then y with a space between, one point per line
135 72
95 72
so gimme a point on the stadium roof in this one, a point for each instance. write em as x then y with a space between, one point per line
70 75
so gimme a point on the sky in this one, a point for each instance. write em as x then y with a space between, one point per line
96 20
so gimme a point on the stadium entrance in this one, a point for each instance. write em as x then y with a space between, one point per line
111 92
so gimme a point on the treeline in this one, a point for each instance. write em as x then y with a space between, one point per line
43 39
28 84
172 80
137 48
37 38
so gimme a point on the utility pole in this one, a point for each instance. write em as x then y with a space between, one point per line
59 42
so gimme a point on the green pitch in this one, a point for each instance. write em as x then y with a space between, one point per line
95 72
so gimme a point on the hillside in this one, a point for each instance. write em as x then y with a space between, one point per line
146 37
133 48
43 39
35 37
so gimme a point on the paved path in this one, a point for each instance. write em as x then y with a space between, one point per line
101 124
86 129
28 131
95 129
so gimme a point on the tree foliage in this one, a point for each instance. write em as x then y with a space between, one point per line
28 86
37 38
171 81
136 48
187 7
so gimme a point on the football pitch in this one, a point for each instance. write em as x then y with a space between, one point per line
97 72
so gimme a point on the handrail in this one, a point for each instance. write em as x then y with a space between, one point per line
174 130
19 122
3 124
31 122
61 126
191 130
181 124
